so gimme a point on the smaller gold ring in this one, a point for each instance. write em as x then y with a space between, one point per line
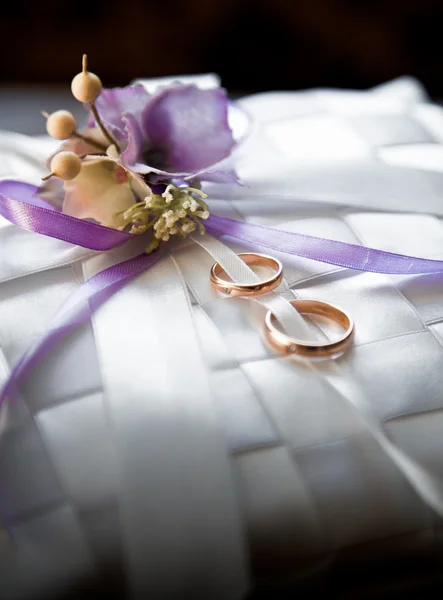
249 289
283 343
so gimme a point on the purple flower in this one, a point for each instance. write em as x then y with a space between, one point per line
179 132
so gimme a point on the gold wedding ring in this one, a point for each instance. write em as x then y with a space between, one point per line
248 289
283 343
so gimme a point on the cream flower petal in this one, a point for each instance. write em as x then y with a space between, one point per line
100 190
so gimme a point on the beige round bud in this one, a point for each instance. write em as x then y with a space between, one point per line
86 87
61 124
66 165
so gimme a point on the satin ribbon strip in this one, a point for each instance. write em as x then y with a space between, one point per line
76 311
342 254
427 485
176 479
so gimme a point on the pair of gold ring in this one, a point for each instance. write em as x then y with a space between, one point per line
276 338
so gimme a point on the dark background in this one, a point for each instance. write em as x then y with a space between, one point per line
253 44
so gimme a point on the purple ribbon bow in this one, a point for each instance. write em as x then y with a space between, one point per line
20 205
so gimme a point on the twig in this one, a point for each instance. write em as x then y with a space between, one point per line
102 127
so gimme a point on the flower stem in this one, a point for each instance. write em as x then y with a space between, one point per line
102 127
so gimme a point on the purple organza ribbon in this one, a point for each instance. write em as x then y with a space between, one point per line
20 205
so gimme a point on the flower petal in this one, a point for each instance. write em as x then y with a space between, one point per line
113 103
189 126
218 173
98 192
134 149
215 175
52 191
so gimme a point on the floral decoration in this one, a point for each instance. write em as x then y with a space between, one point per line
139 163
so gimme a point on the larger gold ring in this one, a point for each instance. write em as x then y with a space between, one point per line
249 289
283 343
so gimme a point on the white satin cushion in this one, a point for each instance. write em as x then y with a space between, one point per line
166 440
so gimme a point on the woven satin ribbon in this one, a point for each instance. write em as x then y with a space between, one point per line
20 205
